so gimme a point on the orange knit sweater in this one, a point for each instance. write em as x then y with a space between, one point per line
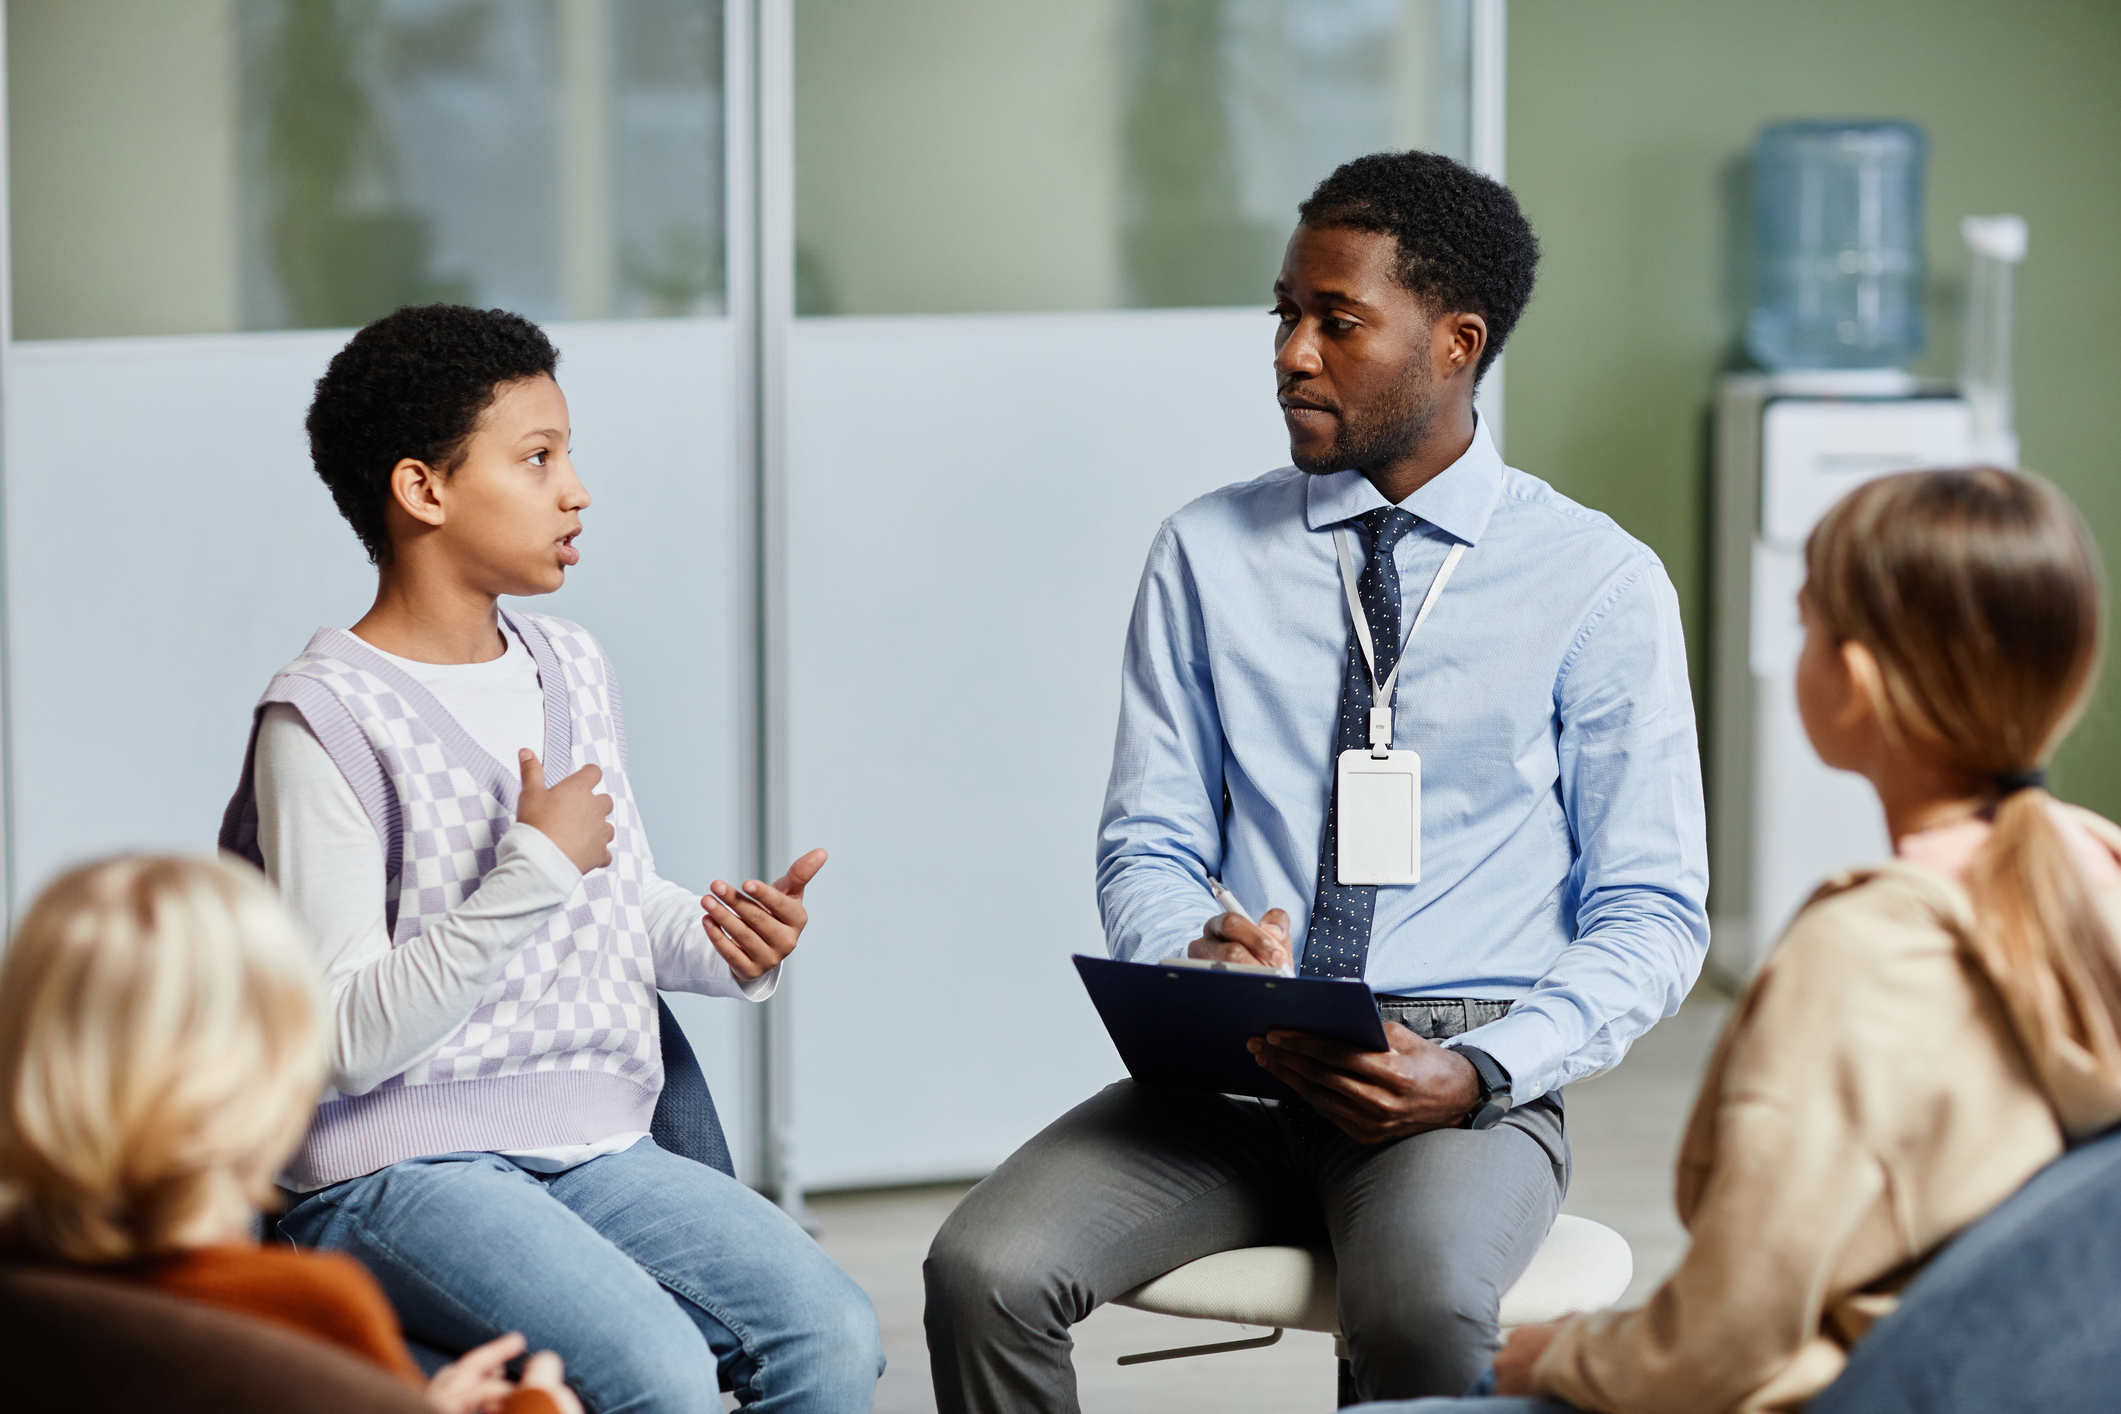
327 1295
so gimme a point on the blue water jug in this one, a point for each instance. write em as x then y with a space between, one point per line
1837 211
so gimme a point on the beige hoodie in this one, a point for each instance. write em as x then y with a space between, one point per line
1870 1097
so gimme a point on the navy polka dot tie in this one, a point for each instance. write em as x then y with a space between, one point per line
1338 943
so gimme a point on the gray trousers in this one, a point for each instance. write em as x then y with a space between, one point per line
1428 1231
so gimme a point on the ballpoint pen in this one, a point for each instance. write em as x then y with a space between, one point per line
1230 904
1229 901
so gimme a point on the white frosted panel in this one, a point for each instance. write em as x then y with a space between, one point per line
1777 637
169 547
970 501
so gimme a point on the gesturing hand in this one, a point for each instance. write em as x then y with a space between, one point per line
476 1379
544 1371
1231 937
571 814
755 927
1373 1096
1513 1364
479 1382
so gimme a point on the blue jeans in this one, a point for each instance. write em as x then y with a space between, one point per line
648 1273
1491 1404
1480 1399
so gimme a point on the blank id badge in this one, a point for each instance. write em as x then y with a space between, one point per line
1378 839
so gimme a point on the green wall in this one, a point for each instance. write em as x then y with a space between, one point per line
1629 123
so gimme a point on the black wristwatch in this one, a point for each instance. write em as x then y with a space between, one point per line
1494 1100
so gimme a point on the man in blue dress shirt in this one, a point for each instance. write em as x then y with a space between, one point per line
1559 911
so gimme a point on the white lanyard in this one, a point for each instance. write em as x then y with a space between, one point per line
1381 689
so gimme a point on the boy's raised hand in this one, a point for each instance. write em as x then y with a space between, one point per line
571 814
756 927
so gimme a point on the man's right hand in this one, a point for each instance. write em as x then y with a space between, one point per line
571 814
1228 937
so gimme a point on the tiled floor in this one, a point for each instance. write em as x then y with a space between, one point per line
1624 1127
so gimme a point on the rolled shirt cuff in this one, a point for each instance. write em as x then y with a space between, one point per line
761 987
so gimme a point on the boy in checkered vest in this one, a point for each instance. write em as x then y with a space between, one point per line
441 794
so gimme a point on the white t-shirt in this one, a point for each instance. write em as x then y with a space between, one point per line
393 1006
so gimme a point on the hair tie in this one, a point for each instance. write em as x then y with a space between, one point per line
2011 782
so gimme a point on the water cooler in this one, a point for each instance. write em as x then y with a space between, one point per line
1787 447
1792 442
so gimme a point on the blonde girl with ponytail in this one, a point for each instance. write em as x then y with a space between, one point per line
161 1049
1929 1032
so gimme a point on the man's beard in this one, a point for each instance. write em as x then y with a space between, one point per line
1390 432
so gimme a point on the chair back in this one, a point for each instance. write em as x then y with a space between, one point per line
2021 1313
100 1345
686 1122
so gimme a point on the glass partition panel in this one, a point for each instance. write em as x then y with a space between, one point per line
967 155
192 171
281 164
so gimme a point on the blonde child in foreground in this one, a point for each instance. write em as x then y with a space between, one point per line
160 1054
1929 1032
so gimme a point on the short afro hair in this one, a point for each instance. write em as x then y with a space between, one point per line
1463 243
413 384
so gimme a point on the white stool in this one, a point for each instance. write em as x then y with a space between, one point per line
1582 1266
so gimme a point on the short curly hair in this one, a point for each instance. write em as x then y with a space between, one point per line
1463 242
412 384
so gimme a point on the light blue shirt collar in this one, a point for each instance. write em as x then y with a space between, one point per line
1458 500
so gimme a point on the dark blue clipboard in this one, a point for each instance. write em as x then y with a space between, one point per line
1188 1026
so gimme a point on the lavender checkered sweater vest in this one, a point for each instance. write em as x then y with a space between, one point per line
563 1049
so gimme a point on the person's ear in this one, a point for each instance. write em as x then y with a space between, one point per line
1460 339
1863 705
417 488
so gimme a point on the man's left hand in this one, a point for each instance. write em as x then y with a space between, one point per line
1374 1095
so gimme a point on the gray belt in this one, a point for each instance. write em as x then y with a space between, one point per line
1435 1018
